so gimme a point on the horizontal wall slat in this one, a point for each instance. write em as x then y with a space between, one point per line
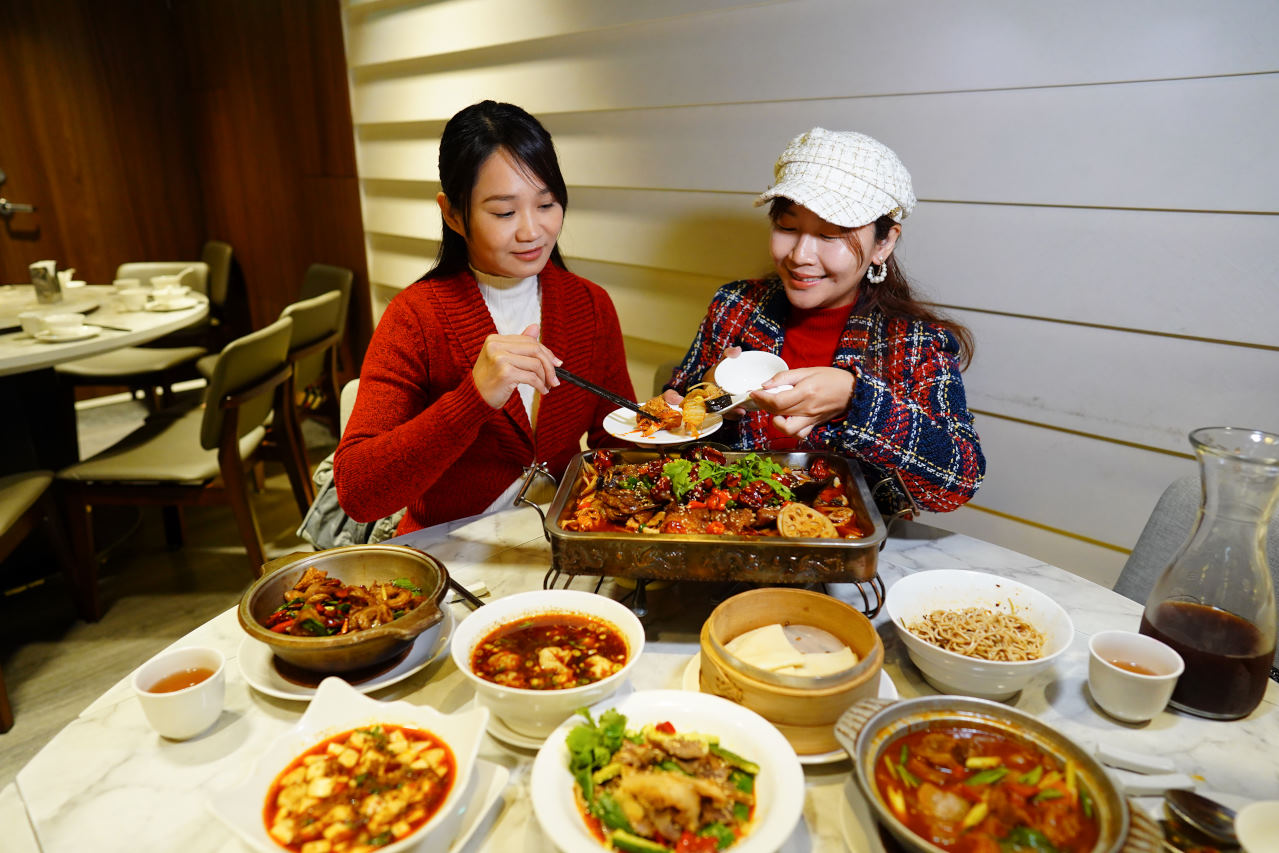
1137 388
408 32
1093 489
1092 146
1097 564
723 57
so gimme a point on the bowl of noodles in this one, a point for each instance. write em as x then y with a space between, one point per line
977 634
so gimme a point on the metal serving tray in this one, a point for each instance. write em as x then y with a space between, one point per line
705 557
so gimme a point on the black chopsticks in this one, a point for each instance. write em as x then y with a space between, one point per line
603 392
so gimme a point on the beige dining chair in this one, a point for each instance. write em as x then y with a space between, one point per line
193 457
313 356
25 501
319 373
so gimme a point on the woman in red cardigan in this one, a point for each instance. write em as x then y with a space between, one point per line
458 389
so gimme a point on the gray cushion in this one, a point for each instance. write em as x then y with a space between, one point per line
131 361
19 492
164 449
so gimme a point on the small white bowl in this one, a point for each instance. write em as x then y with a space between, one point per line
536 713
954 589
779 787
1257 825
338 707
1127 695
748 371
182 714
63 323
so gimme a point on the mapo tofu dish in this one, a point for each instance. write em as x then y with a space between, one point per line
360 790
657 788
550 651
701 492
321 606
973 790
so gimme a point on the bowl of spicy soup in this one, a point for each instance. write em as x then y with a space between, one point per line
949 774
534 658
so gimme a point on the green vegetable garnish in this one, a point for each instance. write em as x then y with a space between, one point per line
405 583
987 777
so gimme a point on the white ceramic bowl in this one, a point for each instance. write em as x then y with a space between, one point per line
953 589
1257 825
182 714
779 787
336 708
536 713
748 371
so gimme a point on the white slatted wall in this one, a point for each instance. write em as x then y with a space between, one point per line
1098 194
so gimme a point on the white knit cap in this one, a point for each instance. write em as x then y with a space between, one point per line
846 178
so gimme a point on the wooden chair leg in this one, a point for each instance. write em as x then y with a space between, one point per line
237 492
259 476
58 536
6 710
84 568
174 528
294 453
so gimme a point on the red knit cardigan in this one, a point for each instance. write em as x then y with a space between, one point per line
420 435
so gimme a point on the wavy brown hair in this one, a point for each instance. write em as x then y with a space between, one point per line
893 296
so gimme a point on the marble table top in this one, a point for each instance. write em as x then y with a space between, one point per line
106 782
20 352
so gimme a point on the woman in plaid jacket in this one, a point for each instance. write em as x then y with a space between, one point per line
875 373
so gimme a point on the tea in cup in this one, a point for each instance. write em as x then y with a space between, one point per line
32 322
1131 676
182 690
63 324
133 298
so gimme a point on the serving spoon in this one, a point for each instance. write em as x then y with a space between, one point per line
1209 817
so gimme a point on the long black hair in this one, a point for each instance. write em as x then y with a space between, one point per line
470 138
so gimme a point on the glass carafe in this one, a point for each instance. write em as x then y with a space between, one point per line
1215 602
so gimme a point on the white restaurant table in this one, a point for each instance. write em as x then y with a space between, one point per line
107 782
20 352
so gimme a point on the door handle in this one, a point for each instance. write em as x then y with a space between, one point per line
8 208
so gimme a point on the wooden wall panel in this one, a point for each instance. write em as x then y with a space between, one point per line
1098 200
96 132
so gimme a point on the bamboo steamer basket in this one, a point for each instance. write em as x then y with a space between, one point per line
804 709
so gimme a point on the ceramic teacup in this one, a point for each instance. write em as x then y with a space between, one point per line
182 690
32 322
133 298
126 283
1131 676
63 323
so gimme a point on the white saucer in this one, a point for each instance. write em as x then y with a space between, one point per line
83 333
856 823
748 372
258 668
489 780
887 690
509 736
175 305
620 423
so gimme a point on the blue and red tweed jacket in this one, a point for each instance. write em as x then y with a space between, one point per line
908 411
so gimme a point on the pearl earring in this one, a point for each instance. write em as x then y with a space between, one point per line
877 276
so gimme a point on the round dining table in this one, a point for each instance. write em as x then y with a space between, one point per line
107 782
42 433
109 325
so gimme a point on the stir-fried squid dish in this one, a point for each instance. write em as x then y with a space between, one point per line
980 632
658 789
702 492
321 606
360 790
973 790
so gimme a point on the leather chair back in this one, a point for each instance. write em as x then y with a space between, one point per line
240 366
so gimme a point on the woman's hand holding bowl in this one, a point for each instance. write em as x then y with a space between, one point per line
801 399
507 361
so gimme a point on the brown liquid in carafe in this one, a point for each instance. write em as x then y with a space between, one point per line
1226 668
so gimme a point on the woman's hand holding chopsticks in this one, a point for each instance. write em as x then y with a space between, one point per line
507 361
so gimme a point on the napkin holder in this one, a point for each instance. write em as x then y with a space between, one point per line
44 278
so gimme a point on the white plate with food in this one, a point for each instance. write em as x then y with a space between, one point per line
760 787
259 667
285 800
887 690
621 423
